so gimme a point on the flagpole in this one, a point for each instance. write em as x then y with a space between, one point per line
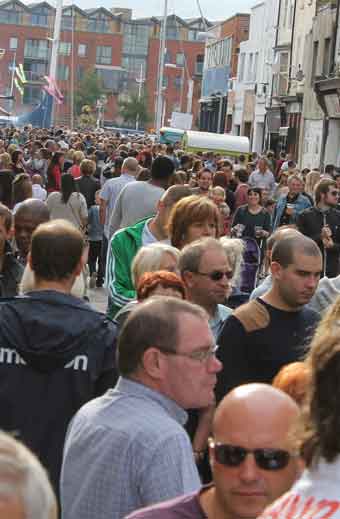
55 50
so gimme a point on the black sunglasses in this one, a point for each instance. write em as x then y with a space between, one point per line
217 275
266 459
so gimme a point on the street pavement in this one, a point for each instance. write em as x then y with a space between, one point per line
98 298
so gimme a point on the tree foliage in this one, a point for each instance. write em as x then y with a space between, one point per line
132 107
89 89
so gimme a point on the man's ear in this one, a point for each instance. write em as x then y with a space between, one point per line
153 363
276 269
188 278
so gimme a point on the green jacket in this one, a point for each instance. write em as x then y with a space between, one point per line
123 247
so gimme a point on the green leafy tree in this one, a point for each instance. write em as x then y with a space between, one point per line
89 89
133 108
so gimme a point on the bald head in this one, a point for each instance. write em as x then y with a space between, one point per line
292 245
130 166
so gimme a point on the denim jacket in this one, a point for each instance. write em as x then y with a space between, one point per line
300 205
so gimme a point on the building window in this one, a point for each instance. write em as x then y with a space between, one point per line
111 79
32 95
180 59
135 39
39 19
172 32
250 67
104 55
241 67
80 72
65 48
178 82
63 72
285 12
10 17
199 64
66 23
192 35
82 50
13 43
167 58
165 81
98 25
219 53
133 65
35 70
37 49
326 65
315 60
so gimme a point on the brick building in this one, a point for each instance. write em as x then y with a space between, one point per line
119 48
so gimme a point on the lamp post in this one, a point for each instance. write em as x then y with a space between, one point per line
159 102
140 82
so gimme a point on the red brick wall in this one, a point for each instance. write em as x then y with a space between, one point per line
172 95
238 28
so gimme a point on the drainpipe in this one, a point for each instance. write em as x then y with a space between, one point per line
291 48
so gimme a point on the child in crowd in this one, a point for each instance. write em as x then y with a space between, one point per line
95 235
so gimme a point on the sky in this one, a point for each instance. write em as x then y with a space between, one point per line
212 9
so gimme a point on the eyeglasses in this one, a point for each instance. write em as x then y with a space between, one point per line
266 459
217 275
334 193
200 355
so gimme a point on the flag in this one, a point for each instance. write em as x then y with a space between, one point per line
19 78
52 89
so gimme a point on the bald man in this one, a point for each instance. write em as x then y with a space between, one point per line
251 456
30 214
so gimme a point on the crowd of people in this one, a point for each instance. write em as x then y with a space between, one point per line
209 389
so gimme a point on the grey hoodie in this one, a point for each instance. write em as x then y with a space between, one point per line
326 293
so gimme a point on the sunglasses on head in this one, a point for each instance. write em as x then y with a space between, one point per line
217 275
266 459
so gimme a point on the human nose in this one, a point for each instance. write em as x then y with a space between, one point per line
214 365
248 471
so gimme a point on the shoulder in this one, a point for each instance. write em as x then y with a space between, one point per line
183 506
253 316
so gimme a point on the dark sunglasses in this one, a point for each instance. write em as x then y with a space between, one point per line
217 275
266 459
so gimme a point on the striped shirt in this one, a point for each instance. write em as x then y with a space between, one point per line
125 450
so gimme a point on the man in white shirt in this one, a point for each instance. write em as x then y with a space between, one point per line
37 190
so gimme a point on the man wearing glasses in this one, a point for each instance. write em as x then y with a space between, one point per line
207 275
128 449
322 224
252 458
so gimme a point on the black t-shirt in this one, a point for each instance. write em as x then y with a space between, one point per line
257 340
87 186
250 221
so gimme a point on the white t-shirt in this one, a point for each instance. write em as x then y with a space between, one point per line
39 192
316 495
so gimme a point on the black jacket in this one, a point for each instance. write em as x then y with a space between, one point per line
56 353
310 223
11 274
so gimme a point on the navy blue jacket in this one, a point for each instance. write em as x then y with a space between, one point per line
56 354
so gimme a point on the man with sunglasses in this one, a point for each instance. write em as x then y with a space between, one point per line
206 273
322 224
251 455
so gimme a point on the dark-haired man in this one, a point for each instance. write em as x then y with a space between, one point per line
129 449
137 200
31 213
53 347
322 224
268 332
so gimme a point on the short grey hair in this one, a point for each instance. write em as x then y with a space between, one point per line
149 259
191 254
234 248
131 165
23 477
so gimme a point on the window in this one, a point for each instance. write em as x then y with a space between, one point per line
172 32
180 59
192 35
285 12
133 65
37 49
165 81
104 55
98 25
199 64
39 19
241 67
82 50
167 57
178 82
135 39
315 60
65 48
250 67
326 65
219 53
291 14
66 23
35 70
10 17
111 79
13 43
80 72
32 95
63 72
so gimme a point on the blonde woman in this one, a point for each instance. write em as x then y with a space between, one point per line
312 178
